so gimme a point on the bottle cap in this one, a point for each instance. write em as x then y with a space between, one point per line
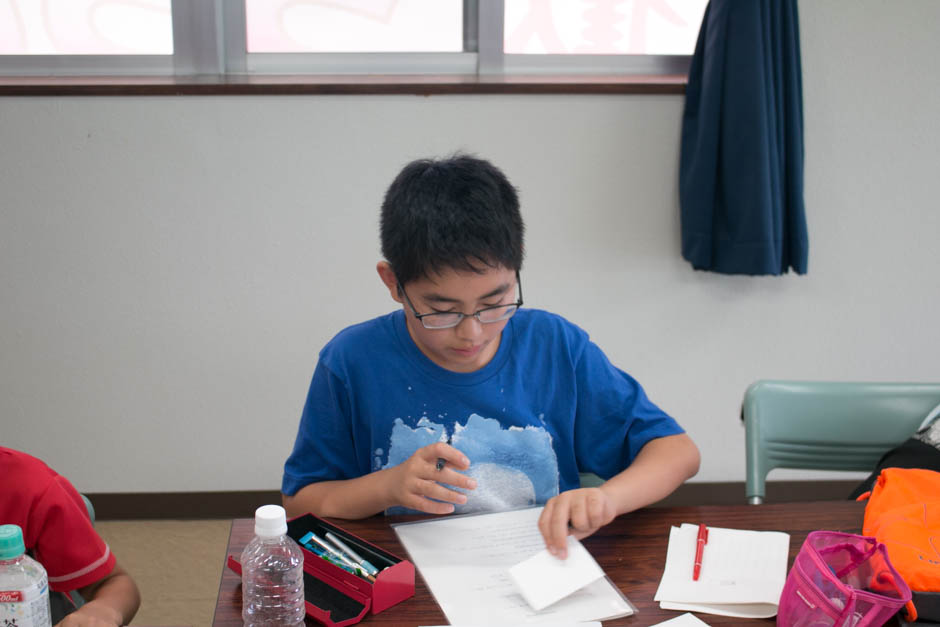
11 542
270 521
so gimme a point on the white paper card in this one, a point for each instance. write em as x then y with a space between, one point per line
684 620
590 623
544 579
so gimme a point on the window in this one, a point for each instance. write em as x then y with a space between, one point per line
223 37
82 27
353 36
615 36
620 27
323 26
64 36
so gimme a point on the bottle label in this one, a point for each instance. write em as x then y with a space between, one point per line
24 610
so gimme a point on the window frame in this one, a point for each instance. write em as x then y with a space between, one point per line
209 41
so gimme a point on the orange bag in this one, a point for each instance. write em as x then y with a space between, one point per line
903 513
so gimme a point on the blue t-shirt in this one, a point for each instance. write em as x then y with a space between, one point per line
547 406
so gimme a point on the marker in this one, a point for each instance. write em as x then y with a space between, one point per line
700 543
337 555
366 566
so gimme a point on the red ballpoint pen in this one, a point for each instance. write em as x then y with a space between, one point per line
700 543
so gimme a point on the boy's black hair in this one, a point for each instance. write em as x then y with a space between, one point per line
458 213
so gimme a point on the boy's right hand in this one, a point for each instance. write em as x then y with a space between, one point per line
417 482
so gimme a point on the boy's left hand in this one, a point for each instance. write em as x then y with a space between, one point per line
579 512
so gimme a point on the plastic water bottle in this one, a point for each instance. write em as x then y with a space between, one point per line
272 573
24 586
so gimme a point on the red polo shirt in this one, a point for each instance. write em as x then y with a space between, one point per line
54 519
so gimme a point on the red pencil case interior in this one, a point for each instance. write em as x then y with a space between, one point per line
336 597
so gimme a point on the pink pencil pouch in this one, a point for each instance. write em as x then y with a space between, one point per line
841 579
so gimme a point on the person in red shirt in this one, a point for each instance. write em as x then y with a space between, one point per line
58 533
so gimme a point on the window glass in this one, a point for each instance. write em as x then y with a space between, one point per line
354 25
78 27
652 27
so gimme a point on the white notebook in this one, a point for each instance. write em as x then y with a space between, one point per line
743 572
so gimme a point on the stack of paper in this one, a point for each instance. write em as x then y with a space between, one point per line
743 572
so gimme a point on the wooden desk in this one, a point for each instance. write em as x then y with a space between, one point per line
631 550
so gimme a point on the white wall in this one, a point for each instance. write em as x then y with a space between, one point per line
170 266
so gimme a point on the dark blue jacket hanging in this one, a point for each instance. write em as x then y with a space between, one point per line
741 166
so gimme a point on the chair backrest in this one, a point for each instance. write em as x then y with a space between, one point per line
89 507
590 480
827 425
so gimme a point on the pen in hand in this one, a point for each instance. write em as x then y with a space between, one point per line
700 543
441 462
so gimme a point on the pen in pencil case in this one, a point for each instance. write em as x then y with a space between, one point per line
327 552
323 555
368 567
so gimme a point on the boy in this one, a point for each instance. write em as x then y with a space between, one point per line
58 533
460 401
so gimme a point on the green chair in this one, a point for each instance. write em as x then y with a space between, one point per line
89 507
74 595
590 480
827 425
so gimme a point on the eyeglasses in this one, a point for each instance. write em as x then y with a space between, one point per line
450 319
